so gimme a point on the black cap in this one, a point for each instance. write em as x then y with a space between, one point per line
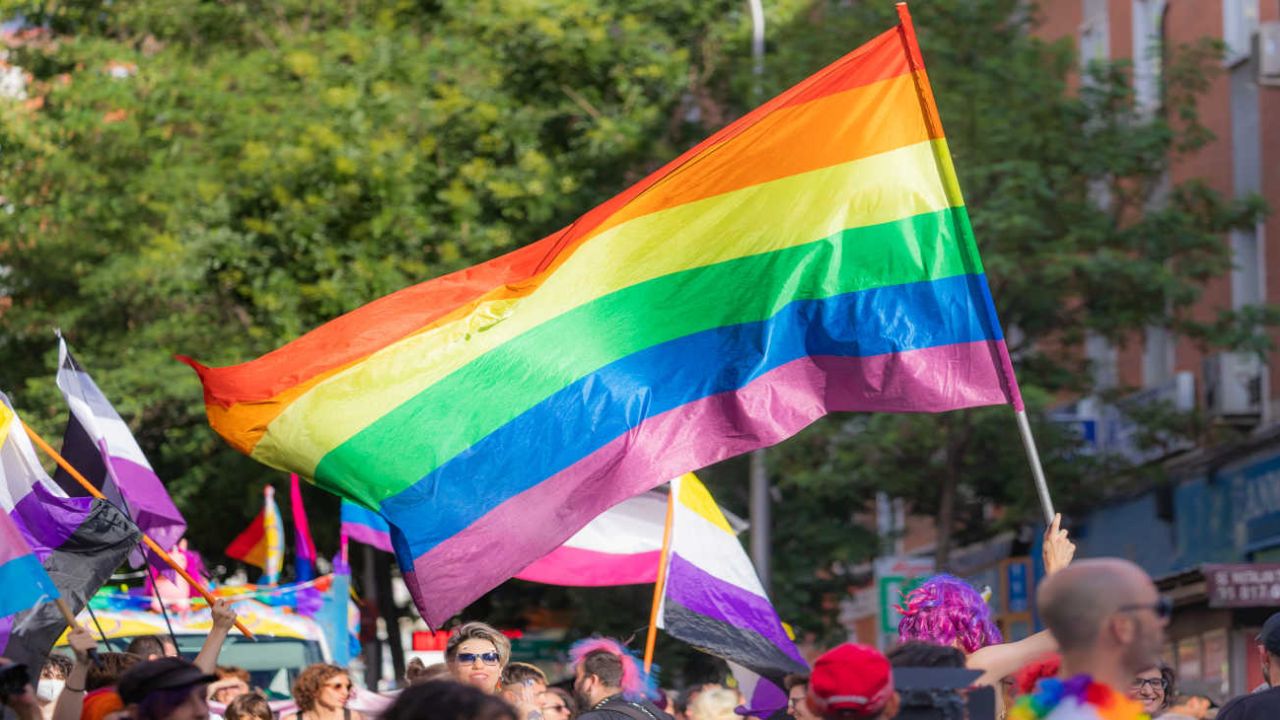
1269 638
160 674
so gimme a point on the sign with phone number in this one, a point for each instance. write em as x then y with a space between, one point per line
1253 585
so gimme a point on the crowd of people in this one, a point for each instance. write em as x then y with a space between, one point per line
1098 659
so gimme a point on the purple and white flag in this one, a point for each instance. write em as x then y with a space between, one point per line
99 444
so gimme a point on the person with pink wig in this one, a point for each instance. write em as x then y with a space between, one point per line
610 684
948 611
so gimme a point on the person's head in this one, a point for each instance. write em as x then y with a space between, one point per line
1152 688
558 704
250 706
321 686
150 647
476 654
446 700
232 682
714 704
852 682
53 677
109 668
1108 611
517 674
946 610
917 654
1269 650
797 687
603 668
416 672
165 689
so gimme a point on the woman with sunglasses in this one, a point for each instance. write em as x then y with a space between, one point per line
321 692
476 655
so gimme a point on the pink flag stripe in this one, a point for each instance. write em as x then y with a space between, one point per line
775 406
576 567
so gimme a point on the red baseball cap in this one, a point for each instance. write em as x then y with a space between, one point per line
850 679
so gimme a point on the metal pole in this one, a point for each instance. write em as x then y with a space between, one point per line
1037 470
760 510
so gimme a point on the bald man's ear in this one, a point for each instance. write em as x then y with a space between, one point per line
1123 627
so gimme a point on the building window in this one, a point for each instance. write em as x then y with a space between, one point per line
1103 361
1148 49
1157 356
1239 23
1095 37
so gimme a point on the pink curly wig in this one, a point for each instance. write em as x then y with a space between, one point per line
636 684
946 610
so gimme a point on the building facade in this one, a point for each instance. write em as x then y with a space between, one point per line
1210 532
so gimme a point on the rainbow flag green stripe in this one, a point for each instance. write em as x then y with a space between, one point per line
813 256
734 292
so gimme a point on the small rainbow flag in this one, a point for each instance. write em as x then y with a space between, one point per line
366 526
262 543
813 256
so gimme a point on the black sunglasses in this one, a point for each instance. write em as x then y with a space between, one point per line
489 658
1162 607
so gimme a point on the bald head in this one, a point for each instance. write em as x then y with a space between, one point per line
1077 601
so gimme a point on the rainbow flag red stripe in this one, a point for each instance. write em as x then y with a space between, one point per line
813 256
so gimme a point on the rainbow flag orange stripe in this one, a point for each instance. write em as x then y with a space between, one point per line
813 256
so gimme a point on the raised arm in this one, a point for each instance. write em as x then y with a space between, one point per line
1000 661
224 618
71 700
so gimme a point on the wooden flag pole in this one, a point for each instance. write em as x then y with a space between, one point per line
151 544
660 583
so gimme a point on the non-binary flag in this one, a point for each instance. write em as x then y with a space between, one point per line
713 600
99 445
78 541
813 256
262 543
305 548
365 526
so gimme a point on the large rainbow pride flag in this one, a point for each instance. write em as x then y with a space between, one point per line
813 256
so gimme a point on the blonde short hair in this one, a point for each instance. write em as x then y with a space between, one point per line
714 704
478 631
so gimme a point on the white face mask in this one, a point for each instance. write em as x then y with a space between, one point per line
50 689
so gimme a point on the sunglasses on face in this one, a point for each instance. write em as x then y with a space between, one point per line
1163 608
489 658
1142 683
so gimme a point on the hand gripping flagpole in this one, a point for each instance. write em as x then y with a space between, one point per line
151 544
934 123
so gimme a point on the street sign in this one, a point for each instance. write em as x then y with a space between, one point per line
1252 585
